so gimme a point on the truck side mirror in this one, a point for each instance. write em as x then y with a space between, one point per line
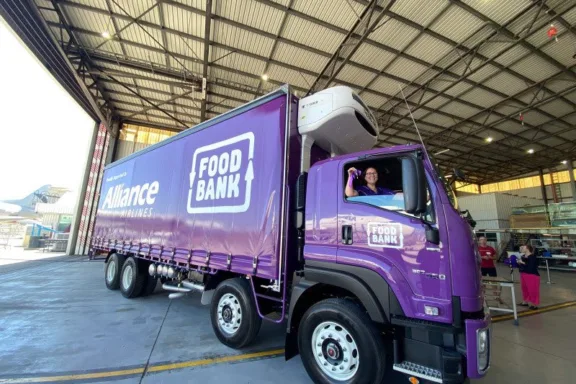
413 185
459 175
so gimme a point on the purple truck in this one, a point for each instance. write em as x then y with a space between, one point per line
250 209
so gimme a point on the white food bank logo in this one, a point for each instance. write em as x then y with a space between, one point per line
385 235
221 176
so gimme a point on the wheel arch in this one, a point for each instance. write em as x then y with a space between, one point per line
324 280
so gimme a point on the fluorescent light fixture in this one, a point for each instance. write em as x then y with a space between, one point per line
265 77
442 151
564 162
489 139
530 151
106 34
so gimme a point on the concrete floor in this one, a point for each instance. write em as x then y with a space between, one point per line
58 319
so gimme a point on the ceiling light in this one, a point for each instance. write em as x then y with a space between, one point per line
265 77
564 162
489 139
106 34
530 151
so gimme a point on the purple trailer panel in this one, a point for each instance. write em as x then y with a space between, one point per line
214 193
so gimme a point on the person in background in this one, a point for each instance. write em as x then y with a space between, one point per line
371 177
488 255
529 278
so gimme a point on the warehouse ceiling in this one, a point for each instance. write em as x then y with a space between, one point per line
487 81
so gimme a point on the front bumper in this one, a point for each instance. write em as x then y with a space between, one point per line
477 365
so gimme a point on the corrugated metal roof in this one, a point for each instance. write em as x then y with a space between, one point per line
182 20
312 35
406 69
313 32
341 13
457 24
233 77
481 97
394 34
135 9
506 83
419 11
372 57
480 74
458 109
93 3
141 34
440 120
298 57
458 89
199 4
429 49
288 76
386 86
239 61
535 68
499 11
251 13
230 92
563 50
540 37
185 46
245 40
372 100
557 107
511 55
355 75
570 16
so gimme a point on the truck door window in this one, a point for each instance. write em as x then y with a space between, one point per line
378 183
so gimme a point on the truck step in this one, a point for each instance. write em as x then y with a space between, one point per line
420 371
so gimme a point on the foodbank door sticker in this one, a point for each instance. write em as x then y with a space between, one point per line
385 235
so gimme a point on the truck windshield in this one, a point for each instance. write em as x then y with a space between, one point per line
445 183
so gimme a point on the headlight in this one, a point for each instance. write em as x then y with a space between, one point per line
164 270
483 349
152 270
482 341
171 272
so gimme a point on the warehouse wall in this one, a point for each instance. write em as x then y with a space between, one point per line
493 210
126 148
535 192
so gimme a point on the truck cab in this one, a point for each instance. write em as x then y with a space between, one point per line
399 260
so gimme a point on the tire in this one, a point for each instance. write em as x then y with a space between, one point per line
233 313
339 343
149 286
132 279
113 270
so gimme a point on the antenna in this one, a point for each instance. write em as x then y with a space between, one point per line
414 122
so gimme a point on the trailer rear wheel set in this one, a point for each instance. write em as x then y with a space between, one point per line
233 313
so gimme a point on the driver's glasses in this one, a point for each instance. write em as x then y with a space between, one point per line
371 174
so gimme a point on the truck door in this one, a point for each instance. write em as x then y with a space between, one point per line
376 233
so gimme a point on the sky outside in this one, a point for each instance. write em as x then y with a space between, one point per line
44 133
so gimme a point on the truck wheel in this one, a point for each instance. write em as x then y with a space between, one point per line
339 344
112 271
132 279
233 313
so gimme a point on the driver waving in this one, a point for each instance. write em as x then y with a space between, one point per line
371 177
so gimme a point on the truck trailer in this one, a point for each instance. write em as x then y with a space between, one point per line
250 210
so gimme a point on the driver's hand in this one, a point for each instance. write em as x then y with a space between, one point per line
351 171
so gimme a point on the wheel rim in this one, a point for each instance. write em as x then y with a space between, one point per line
127 277
335 351
111 271
229 314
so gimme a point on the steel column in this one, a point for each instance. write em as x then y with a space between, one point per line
77 218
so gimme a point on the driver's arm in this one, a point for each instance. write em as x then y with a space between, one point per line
350 191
